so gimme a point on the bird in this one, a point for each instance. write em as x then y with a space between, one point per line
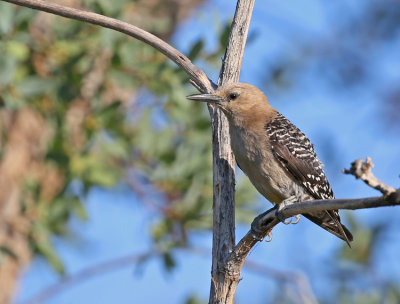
276 156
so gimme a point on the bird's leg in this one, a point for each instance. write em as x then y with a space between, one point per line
255 228
287 202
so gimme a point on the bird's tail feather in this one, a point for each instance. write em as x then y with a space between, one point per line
330 221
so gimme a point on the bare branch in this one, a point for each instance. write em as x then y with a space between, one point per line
86 274
363 170
70 281
269 219
201 80
304 292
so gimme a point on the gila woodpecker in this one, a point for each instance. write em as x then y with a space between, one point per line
278 158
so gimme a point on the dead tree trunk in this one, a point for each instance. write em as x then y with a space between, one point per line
223 282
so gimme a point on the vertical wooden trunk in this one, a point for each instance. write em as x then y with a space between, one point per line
223 282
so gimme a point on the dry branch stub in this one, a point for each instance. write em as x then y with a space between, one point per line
363 170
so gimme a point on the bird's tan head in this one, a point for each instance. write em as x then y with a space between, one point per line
240 100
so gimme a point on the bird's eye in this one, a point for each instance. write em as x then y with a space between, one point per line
233 96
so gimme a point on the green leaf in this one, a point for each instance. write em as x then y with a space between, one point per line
8 66
33 85
17 49
169 261
78 209
6 17
196 49
41 239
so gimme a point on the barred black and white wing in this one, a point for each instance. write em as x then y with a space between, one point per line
296 153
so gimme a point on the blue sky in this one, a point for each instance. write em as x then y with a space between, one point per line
119 225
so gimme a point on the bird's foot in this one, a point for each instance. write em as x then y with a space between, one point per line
287 202
257 233
255 236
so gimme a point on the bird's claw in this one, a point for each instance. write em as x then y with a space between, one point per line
290 221
298 216
269 235
260 239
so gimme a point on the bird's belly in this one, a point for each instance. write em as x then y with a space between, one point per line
264 172
272 183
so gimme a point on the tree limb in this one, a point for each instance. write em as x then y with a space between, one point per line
363 170
197 76
302 287
87 273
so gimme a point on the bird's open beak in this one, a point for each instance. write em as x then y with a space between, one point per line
206 98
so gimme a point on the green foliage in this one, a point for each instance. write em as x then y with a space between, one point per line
354 271
363 250
193 299
40 238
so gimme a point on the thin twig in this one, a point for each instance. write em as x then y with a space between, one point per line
201 80
363 170
120 263
304 292
86 274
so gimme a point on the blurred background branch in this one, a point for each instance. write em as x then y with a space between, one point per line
86 274
293 283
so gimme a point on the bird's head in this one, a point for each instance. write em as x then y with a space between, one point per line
237 100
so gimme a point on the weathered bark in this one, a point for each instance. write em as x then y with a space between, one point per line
224 281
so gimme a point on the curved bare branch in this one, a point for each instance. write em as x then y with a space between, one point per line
197 76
